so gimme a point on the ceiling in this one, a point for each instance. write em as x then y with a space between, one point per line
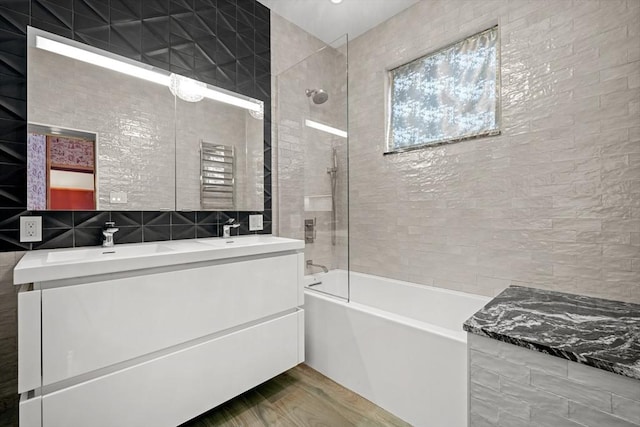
328 21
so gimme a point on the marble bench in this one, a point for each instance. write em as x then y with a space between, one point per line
550 359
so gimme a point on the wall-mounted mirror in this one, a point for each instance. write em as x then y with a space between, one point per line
109 133
221 148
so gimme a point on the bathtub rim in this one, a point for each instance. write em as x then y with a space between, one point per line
482 298
460 336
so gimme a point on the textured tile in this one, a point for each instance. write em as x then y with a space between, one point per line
592 377
87 236
20 6
591 417
574 391
183 218
54 13
183 232
207 217
518 355
542 418
13 21
516 372
484 411
55 219
484 377
626 409
95 9
517 407
552 401
207 230
10 218
94 219
135 29
128 235
546 401
10 241
156 218
154 233
127 218
551 161
53 238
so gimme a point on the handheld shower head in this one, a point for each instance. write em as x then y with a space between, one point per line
319 96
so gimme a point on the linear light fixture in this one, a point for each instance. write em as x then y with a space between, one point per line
325 128
217 95
101 61
137 71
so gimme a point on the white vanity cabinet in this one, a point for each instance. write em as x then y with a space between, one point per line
158 346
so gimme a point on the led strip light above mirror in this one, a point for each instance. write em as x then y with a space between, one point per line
190 89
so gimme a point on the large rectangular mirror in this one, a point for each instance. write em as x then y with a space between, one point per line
109 133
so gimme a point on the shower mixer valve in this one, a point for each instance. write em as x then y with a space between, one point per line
309 230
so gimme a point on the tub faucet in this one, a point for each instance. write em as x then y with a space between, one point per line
311 264
226 228
107 232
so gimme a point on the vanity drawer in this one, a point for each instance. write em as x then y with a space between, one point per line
172 389
91 326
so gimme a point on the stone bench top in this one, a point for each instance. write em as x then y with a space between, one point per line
597 332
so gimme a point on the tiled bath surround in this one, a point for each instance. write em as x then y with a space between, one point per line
553 202
304 154
512 386
290 45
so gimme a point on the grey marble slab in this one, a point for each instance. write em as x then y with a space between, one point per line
601 333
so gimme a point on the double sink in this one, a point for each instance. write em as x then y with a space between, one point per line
143 249
57 264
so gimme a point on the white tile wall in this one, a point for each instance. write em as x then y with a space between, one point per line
553 202
513 386
134 121
304 154
290 44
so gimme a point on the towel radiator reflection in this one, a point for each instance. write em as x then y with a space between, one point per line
216 176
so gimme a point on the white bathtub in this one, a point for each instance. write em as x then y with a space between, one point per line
398 344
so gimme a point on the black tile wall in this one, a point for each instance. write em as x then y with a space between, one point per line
222 42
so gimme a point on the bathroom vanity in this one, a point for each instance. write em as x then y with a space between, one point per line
549 359
154 333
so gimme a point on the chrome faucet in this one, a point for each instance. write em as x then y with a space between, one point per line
226 228
108 231
311 264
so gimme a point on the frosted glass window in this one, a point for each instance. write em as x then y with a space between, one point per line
446 96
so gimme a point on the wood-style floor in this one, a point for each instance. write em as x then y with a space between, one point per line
297 398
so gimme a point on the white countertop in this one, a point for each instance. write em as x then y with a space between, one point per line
56 264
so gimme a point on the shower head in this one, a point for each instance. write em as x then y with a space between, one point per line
319 96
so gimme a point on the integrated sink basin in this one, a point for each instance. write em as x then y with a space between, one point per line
57 264
237 241
101 253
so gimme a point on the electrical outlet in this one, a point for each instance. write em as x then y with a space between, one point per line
118 197
30 228
255 223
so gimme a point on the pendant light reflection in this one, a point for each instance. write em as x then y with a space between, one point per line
258 115
187 89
